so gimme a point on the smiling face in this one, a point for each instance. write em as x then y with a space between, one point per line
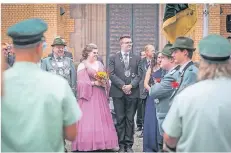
126 44
93 55
58 50
149 51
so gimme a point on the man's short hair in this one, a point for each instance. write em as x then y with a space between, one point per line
125 36
190 52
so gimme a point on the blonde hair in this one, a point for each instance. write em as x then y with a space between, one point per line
213 70
147 47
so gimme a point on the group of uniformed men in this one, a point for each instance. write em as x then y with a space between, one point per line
176 59
188 125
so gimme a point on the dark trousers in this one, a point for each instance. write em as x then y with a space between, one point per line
125 109
140 112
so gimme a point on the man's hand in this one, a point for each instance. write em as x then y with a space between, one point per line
127 89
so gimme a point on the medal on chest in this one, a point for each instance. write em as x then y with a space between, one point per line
61 72
127 73
60 64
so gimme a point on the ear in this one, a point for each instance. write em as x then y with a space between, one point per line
185 52
39 48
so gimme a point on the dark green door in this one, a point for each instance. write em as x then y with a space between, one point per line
140 21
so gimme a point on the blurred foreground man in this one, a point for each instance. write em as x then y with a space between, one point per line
38 108
199 118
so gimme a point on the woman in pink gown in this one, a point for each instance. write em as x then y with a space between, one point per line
95 130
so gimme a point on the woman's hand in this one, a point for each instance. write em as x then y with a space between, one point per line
147 78
98 83
104 84
148 88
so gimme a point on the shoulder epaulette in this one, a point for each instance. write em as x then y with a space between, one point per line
191 67
175 69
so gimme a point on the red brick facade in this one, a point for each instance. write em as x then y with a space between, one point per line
65 25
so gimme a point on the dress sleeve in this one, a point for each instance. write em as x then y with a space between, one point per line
84 87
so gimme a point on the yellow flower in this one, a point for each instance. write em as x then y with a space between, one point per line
102 75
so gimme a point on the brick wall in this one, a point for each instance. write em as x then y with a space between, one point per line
198 33
57 25
11 14
65 25
226 9
217 23
48 12
214 24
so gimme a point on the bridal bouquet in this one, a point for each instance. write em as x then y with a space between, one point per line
102 77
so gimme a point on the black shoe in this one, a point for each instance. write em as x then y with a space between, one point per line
141 135
139 129
121 149
129 149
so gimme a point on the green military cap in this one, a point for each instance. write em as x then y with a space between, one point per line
183 43
27 33
58 41
215 48
167 51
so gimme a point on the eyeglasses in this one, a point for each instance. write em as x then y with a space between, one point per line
95 52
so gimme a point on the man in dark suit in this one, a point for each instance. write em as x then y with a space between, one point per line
139 117
145 63
125 70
